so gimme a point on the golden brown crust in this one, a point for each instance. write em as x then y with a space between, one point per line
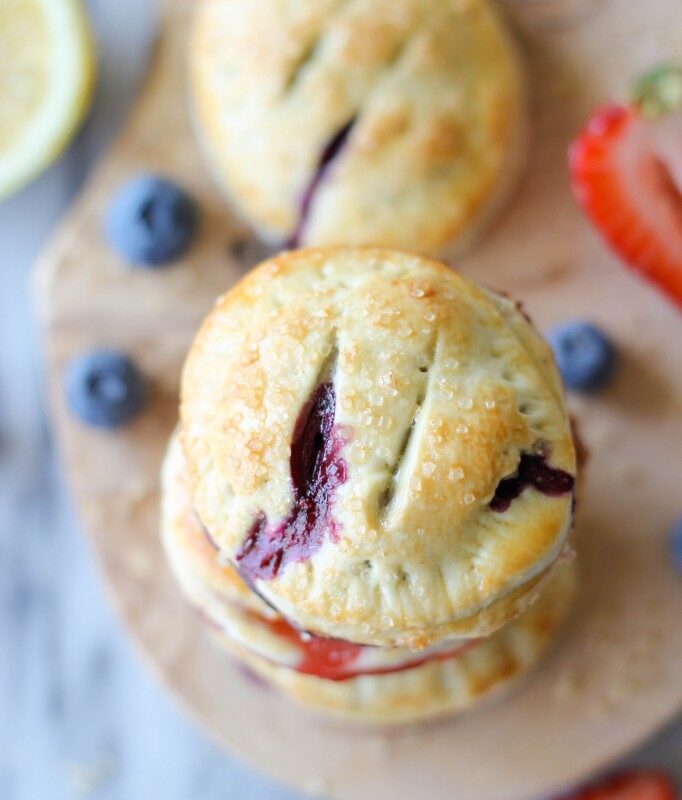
421 361
437 688
217 591
426 690
433 88
191 552
215 588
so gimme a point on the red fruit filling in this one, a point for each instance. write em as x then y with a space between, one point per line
333 659
316 471
533 471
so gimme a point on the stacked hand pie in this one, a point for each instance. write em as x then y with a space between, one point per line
381 122
372 483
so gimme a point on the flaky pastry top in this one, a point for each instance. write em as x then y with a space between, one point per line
383 122
380 446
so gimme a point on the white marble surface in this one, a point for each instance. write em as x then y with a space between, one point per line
80 717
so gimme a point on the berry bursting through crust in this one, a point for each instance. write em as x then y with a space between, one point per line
533 471
330 153
316 470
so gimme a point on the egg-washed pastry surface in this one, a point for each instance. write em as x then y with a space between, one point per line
380 447
368 684
386 122
216 590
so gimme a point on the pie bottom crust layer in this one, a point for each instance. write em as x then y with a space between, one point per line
433 689
437 688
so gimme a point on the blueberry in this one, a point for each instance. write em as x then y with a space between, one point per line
676 544
104 388
584 355
151 221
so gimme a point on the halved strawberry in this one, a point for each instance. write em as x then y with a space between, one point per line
631 785
626 173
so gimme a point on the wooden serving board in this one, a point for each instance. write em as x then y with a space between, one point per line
615 675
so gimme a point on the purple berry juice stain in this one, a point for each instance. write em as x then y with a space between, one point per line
316 471
330 153
533 471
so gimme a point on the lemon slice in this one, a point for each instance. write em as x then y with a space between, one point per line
46 81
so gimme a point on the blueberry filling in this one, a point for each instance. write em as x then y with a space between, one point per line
316 470
533 471
329 154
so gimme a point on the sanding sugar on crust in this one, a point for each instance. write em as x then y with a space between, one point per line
369 510
366 684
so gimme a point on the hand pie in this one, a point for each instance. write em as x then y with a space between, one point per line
366 684
386 122
378 446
